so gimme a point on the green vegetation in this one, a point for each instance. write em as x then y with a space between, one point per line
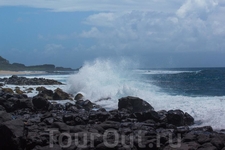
5 65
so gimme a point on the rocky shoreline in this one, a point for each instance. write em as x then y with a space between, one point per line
34 123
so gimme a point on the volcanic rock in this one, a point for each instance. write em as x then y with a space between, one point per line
4 116
134 104
79 96
12 135
59 94
40 103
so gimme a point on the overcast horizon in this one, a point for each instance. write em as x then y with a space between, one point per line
155 34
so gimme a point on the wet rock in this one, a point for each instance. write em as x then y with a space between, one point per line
59 94
142 116
41 88
188 119
18 91
87 105
7 90
79 96
203 129
179 118
47 94
134 104
40 103
15 80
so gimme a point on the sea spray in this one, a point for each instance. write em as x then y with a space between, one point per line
104 79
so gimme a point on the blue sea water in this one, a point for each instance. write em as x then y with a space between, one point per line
188 81
198 91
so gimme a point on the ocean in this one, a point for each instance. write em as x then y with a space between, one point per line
198 91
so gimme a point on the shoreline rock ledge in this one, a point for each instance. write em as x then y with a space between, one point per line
33 123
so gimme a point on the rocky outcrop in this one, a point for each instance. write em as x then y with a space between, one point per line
36 124
58 94
15 80
134 104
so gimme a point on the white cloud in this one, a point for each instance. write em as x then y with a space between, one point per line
196 26
93 33
196 7
156 25
52 49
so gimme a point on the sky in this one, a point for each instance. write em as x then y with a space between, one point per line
154 33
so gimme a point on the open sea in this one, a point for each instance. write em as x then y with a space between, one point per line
198 91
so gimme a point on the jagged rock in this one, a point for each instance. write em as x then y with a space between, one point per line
26 103
12 135
40 88
134 104
61 126
207 146
142 116
11 103
47 94
87 105
218 142
15 80
40 103
59 94
179 118
188 119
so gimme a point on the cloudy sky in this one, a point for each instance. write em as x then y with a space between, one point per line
155 33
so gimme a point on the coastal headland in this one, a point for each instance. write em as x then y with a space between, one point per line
17 68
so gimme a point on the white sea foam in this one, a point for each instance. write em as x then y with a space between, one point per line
161 71
104 78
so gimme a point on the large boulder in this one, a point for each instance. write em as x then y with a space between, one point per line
7 90
59 94
46 93
12 135
179 118
134 104
10 103
40 103
79 96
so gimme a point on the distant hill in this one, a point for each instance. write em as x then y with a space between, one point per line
5 65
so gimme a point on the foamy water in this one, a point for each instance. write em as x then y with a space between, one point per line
104 78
